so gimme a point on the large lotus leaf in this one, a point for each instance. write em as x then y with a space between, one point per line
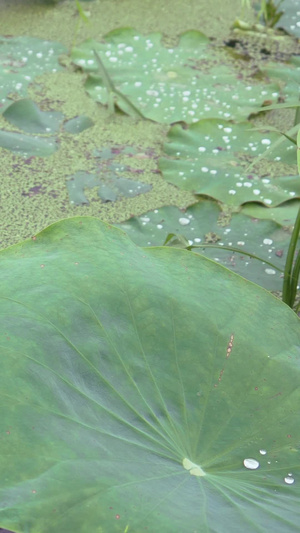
24 58
191 81
26 115
204 223
27 145
211 157
143 390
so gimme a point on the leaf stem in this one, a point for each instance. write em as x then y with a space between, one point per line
294 280
288 280
236 250
297 115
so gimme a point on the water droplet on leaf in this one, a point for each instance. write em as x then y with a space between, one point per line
263 452
289 480
251 464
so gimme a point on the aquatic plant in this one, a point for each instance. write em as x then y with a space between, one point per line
147 387
143 388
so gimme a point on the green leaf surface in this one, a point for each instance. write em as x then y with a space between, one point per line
211 158
290 20
285 214
204 223
26 115
143 389
27 145
24 58
191 81
78 124
109 187
288 73
298 151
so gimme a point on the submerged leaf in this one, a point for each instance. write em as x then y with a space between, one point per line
109 187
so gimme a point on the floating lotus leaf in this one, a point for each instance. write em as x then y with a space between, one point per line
191 81
290 19
27 145
288 75
24 58
78 124
285 214
211 158
26 115
143 389
204 223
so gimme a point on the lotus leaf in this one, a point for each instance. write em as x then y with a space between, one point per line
284 214
143 389
211 158
24 58
290 20
109 187
27 145
204 223
78 124
26 115
191 81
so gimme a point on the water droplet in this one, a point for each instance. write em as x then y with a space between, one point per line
263 452
184 221
270 271
251 464
267 241
289 479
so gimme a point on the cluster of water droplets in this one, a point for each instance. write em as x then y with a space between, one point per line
253 464
190 82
